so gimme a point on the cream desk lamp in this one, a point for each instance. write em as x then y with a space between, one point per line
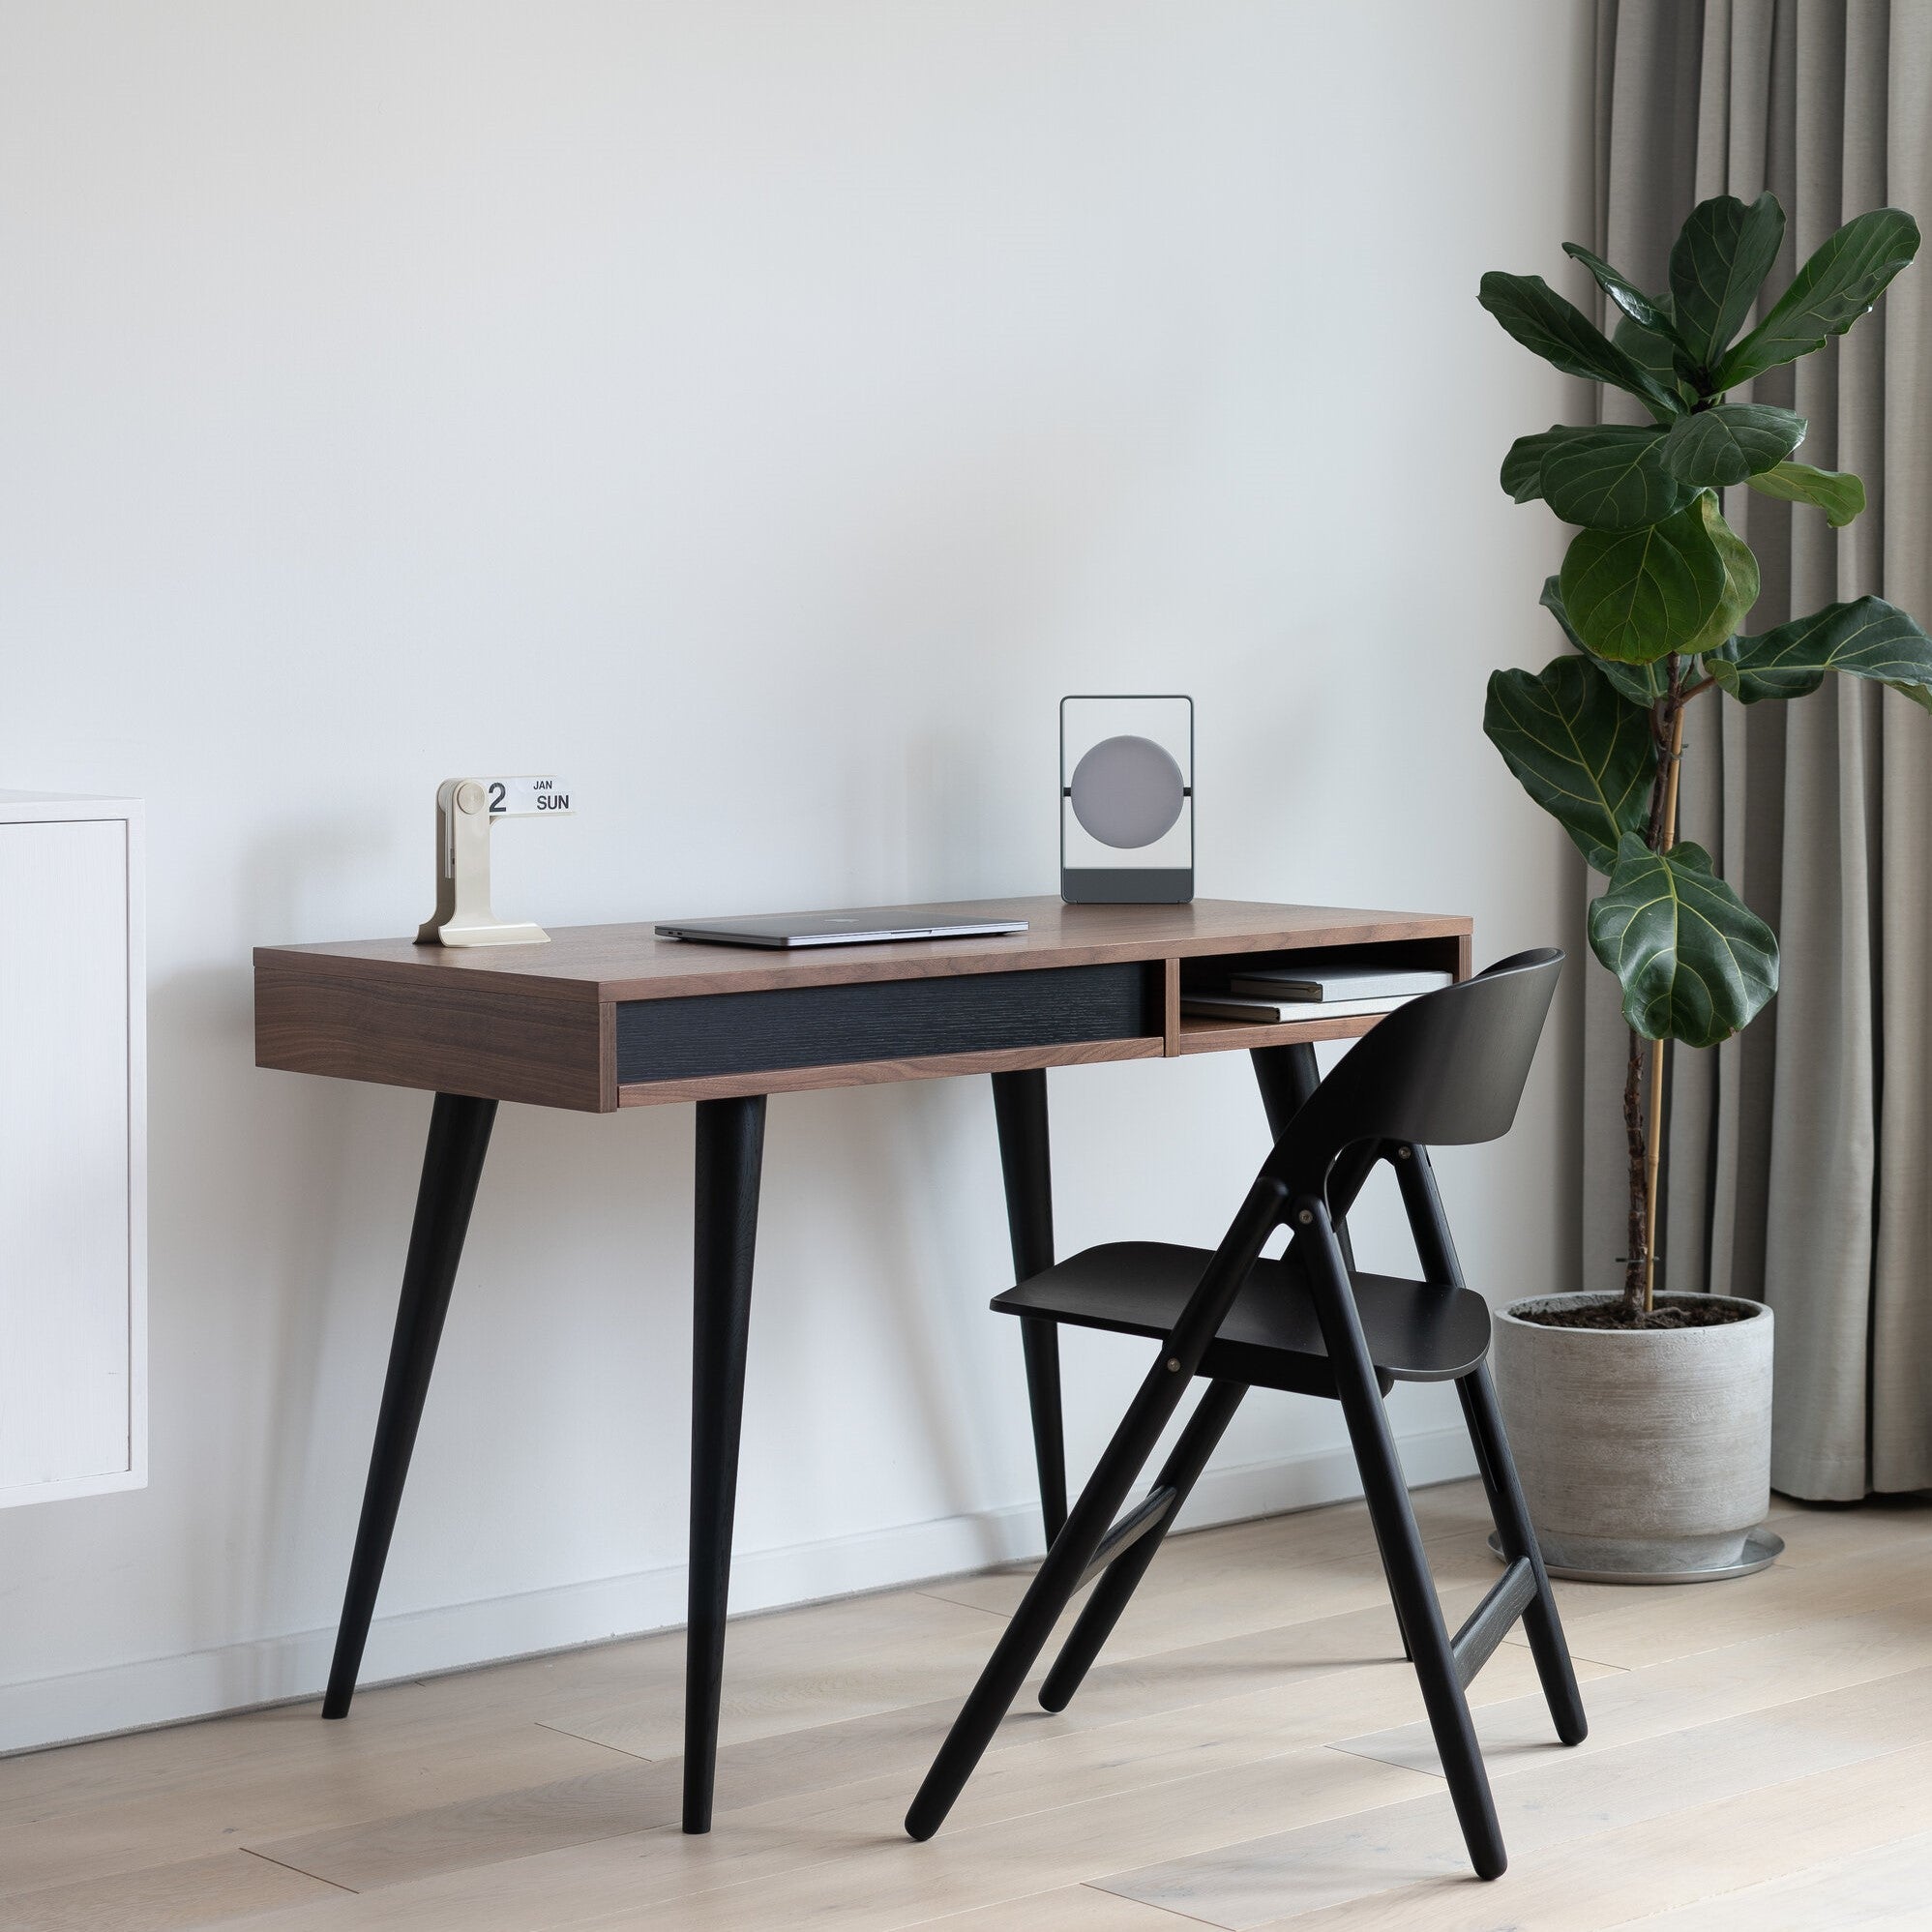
465 809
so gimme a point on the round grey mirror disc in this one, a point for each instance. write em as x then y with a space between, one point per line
1127 791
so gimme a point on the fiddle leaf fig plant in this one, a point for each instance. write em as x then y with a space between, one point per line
1652 599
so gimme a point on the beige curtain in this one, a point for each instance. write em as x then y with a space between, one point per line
1798 1152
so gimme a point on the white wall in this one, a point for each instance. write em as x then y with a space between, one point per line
760 414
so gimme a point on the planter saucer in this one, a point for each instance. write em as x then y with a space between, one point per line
1761 1548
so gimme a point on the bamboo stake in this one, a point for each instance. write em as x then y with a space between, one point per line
1653 1142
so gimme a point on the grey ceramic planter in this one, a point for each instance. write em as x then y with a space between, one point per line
1642 1454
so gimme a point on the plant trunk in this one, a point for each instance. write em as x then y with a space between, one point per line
1654 1152
1635 1258
1644 1140
1652 1158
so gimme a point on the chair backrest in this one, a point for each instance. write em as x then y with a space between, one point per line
1446 1069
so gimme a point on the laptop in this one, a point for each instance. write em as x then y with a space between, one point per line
868 926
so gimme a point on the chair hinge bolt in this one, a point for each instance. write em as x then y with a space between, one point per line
1304 1217
1174 1365
1403 1153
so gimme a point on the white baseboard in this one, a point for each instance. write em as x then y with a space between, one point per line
273 1670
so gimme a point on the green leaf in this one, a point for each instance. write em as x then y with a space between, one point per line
1611 477
1740 576
1696 964
1581 750
1837 285
1522 467
1660 354
1562 333
1552 600
1837 493
1723 445
1867 638
1640 683
1718 263
1644 310
1638 595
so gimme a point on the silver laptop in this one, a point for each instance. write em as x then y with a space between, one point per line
868 925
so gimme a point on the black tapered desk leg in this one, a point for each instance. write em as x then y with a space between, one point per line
1287 1077
452 1166
1020 1110
730 1153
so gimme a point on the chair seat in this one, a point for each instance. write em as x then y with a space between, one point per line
1416 1331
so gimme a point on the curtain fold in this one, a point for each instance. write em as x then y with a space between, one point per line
1798 1152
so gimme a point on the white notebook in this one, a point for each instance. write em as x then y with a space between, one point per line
1312 980
1232 1006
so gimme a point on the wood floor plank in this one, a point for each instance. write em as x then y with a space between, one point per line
1616 1624
1680 1870
1073 1908
41 1784
1817 1533
162 1898
838 1661
291 1772
1698 1689
1879 1885
1242 1884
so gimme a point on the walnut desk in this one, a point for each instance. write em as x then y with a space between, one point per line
607 1016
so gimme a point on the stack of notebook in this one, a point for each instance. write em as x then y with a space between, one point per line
1314 989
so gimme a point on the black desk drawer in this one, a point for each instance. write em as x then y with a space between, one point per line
883 1020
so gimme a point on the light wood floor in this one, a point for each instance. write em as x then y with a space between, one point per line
1248 1754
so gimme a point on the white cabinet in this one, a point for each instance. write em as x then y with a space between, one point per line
72 1149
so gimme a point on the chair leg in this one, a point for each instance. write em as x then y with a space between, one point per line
1288 1077
1400 1629
1093 1516
1430 1225
1054 1586
1388 1495
1110 1594
1518 1537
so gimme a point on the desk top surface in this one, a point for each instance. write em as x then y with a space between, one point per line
628 962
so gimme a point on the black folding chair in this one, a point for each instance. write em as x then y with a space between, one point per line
1446 1069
